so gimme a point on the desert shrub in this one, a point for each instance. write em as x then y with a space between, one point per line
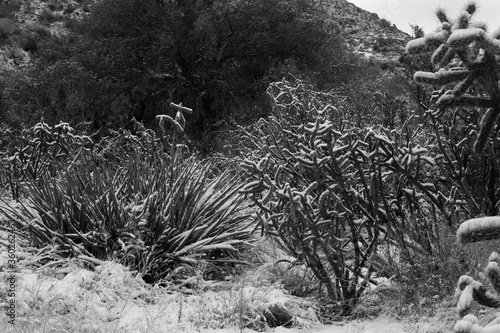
331 192
40 150
127 199
8 9
385 23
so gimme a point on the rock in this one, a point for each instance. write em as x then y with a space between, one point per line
8 28
12 35
357 25
24 41
277 315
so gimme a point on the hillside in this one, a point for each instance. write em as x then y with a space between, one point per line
364 32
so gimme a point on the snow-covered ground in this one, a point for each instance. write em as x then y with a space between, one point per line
110 298
89 296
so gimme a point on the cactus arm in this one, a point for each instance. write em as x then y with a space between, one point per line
463 37
441 77
487 122
464 326
417 45
484 297
450 100
439 54
479 229
493 271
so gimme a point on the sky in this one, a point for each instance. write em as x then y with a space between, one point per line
421 12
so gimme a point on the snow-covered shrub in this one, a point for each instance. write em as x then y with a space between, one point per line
331 191
42 150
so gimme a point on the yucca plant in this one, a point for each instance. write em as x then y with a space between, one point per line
138 214
152 211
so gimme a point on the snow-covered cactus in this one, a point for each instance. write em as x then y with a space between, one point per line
479 229
465 57
469 290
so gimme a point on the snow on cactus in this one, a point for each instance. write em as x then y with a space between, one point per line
493 272
479 229
469 290
465 56
464 326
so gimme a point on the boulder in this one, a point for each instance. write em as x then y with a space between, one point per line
12 35
24 41
8 28
278 315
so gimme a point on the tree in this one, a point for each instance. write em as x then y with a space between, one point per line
210 55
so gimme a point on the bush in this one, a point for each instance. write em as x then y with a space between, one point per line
128 200
147 215
39 151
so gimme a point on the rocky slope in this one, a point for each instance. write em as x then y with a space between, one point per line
366 33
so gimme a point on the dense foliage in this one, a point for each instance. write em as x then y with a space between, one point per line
132 58
359 174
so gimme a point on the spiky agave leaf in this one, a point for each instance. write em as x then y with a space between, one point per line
151 215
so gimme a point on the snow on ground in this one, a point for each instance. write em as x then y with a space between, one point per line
76 296
110 298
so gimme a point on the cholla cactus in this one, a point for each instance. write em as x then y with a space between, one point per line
468 289
466 62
